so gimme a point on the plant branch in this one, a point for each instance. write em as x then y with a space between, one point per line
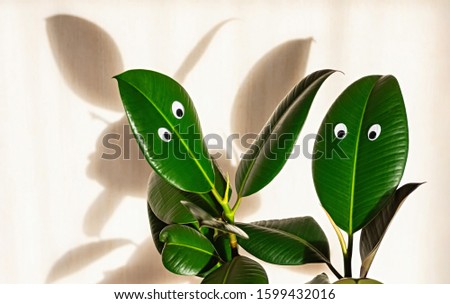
228 214
334 271
236 205
348 258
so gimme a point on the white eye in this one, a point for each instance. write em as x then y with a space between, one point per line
340 130
165 134
374 132
177 109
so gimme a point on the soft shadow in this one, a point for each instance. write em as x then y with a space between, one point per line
82 256
197 52
145 267
269 80
87 58
119 166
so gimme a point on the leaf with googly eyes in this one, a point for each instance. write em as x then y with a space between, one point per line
165 124
361 151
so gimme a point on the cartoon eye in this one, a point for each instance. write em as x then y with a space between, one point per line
165 134
177 109
340 130
374 132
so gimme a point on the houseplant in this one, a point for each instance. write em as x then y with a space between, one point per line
191 216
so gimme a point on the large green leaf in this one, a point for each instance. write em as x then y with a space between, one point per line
156 225
241 270
165 124
186 251
271 149
361 150
165 201
373 233
293 241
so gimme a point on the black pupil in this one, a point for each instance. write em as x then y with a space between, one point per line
341 133
179 112
372 135
166 135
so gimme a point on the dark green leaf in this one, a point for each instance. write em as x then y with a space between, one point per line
358 166
373 233
320 279
165 123
241 270
156 225
165 201
223 247
293 241
186 251
271 149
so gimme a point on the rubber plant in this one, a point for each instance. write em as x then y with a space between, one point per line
356 169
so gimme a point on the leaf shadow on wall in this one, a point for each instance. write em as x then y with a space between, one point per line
265 85
88 58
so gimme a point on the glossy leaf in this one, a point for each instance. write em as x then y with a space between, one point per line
165 201
293 241
206 220
271 149
373 233
186 251
165 124
357 281
320 279
223 246
156 225
360 151
241 270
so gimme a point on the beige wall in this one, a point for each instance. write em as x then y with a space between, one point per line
66 215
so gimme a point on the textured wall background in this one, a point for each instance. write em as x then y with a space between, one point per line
67 215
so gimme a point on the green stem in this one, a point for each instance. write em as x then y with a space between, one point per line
223 201
348 258
228 214
236 205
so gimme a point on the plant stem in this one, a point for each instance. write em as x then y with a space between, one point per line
223 201
348 258
334 271
236 205
228 215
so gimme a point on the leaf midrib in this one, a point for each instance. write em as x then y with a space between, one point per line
191 247
355 160
175 131
227 273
